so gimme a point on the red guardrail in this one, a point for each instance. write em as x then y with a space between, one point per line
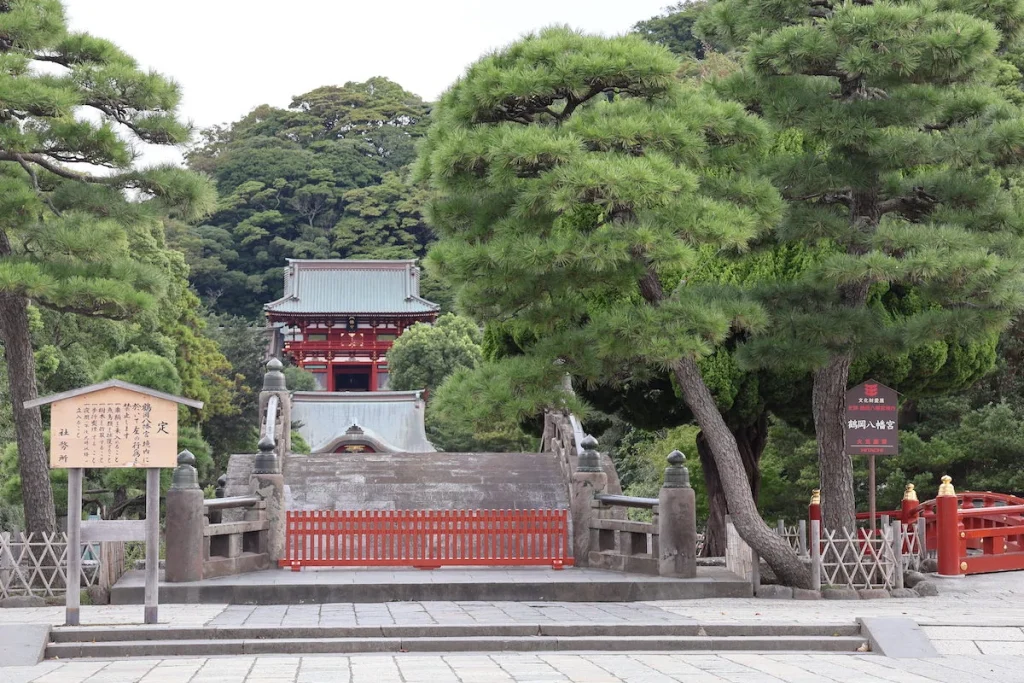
426 539
976 539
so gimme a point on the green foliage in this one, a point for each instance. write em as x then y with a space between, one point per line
640 460
11 517
297 379
299 444
321 179
74 239
425 355
145 369
483 410
568 168
243 345
898 173
673 29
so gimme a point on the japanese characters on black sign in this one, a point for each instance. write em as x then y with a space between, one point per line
871 420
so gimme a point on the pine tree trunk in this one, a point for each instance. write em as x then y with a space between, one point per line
774 549
835 467
828 398
36 493
751 441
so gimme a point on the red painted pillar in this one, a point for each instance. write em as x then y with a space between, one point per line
330 377
814 509
947 520
373 375
909 508
814 514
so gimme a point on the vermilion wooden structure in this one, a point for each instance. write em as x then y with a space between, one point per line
426 539
974 532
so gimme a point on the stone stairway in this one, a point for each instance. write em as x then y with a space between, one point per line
414 481
163 641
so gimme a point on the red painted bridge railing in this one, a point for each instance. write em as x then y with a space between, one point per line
973 532
426 539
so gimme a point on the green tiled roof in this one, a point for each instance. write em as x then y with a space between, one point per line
351 286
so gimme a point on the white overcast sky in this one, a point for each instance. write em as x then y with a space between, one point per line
232 55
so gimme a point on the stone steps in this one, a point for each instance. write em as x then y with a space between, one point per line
415 481
276 587
156 641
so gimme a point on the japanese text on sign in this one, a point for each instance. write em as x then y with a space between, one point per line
114 427
871 422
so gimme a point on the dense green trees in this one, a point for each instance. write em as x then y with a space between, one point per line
324 178
426 354
576 181
69 239
902 128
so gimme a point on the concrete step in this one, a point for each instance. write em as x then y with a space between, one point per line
100 634
496 584
109 643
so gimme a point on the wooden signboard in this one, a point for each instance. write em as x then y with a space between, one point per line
114 427
872 428
108 425
872 423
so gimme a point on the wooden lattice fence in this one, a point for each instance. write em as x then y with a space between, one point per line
36 564
855 560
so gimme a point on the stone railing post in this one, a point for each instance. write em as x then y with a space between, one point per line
184 523
274 385
267 482
588 480
677 521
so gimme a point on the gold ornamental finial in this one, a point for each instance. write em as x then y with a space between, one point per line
910 493
816 497
946 487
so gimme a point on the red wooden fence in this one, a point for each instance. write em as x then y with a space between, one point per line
426 539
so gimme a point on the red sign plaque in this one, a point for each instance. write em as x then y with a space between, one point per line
871 420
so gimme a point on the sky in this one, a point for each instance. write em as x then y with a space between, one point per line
230 56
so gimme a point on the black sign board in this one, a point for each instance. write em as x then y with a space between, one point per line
871 420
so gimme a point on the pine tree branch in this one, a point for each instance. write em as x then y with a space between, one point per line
35 184
124 118
843 197
649 284
914 206
56 169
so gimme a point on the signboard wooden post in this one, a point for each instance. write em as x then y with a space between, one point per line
872 428
107 425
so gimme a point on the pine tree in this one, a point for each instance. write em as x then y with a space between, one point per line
904 130
577 179
64 232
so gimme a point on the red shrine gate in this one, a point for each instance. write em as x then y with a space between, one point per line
339 317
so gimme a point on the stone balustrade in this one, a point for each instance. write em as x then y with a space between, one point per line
235 547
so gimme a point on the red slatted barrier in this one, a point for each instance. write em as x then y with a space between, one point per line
426 539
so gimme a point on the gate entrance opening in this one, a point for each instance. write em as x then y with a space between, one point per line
352 378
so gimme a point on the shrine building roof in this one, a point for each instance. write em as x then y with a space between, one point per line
351 286
391 421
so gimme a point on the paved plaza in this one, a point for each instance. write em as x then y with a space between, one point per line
977 624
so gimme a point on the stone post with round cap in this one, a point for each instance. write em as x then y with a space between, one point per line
677 521
588 480
184 536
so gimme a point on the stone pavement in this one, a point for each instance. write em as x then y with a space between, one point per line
977 623
509 668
